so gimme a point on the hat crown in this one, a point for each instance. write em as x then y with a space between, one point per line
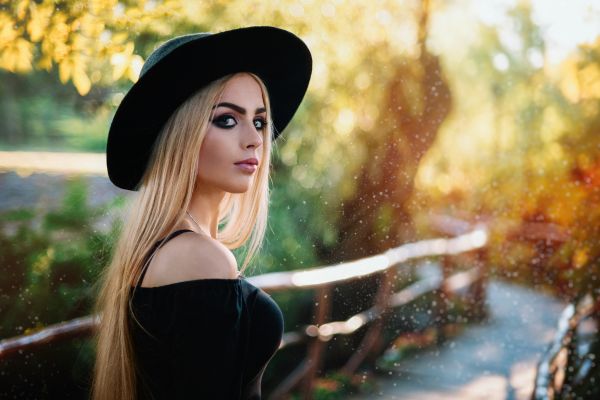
167 47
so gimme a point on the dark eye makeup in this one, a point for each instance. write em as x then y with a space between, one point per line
224 121
228 121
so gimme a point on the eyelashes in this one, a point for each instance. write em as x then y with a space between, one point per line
227 121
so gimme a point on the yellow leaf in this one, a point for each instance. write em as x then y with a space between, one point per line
118 38
569 83
45 62
79 43
135 66
6 58
59 30
121 61
40 17
128 49
81 81
580 257
96 76
98 7
21 9
16 57
590 82
91 26
24 55
65 69
7 31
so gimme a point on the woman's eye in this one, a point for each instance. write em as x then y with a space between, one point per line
260 123
225 121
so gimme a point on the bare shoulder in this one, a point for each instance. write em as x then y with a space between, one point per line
190 256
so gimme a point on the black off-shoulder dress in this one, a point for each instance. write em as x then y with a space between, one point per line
211 338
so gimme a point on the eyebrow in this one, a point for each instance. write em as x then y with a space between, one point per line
239 109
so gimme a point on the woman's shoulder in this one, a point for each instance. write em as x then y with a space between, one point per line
188 257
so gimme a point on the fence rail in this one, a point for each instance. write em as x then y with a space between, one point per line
553 377
468 239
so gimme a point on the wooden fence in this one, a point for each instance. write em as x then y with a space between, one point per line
465 240
562 368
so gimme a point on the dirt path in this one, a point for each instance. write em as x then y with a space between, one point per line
492 360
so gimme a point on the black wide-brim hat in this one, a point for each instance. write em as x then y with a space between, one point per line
184 64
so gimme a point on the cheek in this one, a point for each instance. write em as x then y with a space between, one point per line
215 154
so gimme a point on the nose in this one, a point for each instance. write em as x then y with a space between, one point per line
252 136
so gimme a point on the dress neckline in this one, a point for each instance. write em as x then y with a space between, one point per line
193 282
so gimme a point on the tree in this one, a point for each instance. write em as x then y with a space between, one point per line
90 42
416 102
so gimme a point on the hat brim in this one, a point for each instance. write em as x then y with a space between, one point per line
277 56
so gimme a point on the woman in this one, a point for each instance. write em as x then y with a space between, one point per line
178 320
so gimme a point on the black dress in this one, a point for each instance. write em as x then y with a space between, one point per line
212 338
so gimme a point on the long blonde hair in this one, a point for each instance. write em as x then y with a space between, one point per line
153 212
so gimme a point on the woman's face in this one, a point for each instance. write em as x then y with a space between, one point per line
235 133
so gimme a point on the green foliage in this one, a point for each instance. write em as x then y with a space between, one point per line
38 113
522 147
332 386
50 263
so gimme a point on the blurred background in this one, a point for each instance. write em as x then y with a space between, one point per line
420 116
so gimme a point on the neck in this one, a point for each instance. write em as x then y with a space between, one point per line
204 209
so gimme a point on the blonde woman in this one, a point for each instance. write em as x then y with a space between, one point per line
193 138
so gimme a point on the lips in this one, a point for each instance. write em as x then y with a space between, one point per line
248 161
247 167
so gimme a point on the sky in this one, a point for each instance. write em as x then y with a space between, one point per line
565 23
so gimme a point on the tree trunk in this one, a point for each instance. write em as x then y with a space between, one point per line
416 102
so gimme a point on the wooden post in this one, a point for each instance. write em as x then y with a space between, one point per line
441 299
372 341
293 380
479 308
315 348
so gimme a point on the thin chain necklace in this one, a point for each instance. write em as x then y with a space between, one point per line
197 224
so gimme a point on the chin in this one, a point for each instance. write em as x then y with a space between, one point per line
238 191
227 184
240 188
